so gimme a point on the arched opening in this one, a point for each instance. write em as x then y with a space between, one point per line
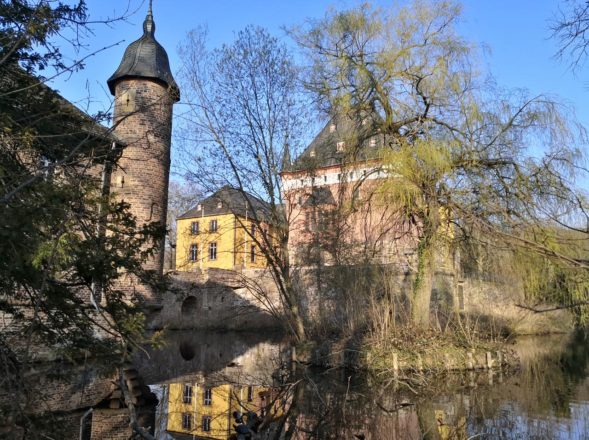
186 351
189 306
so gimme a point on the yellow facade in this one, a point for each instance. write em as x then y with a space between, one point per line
232 244
215 404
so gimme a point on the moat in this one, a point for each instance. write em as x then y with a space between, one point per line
201 379
210 385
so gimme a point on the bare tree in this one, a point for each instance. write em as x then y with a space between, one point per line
245 117
571 29
181 197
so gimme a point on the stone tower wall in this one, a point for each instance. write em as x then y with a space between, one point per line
143 120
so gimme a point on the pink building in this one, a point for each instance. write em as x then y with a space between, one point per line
336 209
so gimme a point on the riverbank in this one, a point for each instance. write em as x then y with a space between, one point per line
417 351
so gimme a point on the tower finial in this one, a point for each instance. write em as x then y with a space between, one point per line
149 24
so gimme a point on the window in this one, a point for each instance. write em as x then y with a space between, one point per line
332 128
325 178
206 423
252 254
207 398
186 421
198 207
212 251
325 220
187 394
310 221
194 227
253 230
219 205
373 142
213 226
312 153
250 393
340 146
300 200
193 252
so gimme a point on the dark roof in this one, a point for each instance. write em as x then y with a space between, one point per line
323 151
145 58
28 102
233 201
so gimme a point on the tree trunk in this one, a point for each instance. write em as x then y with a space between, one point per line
291 302
422 287
296 319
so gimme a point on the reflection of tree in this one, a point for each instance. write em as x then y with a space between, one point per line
330 406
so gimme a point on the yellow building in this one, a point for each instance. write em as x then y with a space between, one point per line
222 231
207 412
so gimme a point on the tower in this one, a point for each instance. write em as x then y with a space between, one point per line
145 92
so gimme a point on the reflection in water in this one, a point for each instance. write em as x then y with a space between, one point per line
229 375
215 385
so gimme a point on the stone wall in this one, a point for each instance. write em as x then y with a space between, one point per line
496 304
220 299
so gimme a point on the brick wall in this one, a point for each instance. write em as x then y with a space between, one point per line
143 120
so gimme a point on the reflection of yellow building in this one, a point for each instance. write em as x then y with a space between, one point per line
206 412
221 231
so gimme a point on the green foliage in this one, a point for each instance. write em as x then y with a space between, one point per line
27 28
549 281
65 245
467 161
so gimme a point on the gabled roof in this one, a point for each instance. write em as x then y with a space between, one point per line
323 150
229 200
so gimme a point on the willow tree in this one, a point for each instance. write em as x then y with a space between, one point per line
466 159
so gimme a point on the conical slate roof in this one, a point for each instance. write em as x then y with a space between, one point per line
145 58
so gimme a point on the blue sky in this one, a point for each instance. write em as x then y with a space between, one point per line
516 32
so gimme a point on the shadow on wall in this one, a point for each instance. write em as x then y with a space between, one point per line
218 301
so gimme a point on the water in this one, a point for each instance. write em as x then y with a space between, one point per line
191 388
201 379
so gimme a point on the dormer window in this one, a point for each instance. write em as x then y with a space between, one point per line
332 128
312 153
340 146
219 205
372 142
198 207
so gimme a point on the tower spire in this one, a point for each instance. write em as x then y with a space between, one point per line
149 24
